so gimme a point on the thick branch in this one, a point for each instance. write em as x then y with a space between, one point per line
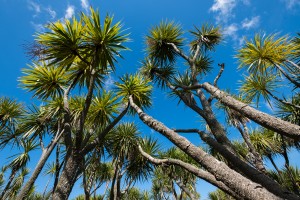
249 171
235 181
87 103
102 135
191 168
278 125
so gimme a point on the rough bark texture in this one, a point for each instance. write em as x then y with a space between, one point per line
192 169
68 177
250 172
235 181
283 127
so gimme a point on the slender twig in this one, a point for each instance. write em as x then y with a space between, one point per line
219 74
282 101
293 64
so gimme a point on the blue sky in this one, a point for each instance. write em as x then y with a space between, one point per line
21 19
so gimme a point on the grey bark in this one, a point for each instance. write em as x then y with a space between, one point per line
68 176
249 171
273 123
235 181
190 168
44 157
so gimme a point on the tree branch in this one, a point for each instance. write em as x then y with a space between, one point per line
217 168
191 168
179 52
102 135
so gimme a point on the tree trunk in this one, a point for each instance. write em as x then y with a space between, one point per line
278 125
235 181
114 183
57 168
44 157
68 176
11 178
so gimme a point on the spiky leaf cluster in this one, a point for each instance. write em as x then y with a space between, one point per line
159 39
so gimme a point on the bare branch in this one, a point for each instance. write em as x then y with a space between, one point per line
179 52
191 168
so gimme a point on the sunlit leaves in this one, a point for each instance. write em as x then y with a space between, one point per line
159 39
44 80
62 42
264 52
136 86
264 142
103 108
123 139
207 37
102 42
10 110
35 122
22 159
257 85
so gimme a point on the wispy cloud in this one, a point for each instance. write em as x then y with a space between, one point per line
109 83
37 27
85 4
290 4
230 30
70 11
51 12
35 7
223 8
250 23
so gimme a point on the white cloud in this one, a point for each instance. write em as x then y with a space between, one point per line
230 30
34 6
85 4
250 23
38 27
51 12
109 83
70 12
224 9
290 4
